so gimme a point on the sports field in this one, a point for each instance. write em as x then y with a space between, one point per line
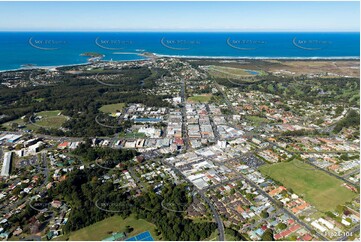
112 108
51 119
200 98
100 230
318 188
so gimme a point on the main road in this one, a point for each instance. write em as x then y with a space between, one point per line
184 115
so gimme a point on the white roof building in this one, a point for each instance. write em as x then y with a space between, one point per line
5 170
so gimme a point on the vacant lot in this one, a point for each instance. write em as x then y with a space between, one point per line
318 188
104 228
200 98
112 108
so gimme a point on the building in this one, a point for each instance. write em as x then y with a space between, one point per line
5 170
11 138
115 237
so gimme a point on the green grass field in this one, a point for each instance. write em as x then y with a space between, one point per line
112 108
51 119
132 135
200 98
100 230
317 187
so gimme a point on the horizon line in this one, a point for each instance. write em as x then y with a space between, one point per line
192 31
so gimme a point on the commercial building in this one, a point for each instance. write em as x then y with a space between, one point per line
5 170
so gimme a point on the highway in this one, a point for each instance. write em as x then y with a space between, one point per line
214 127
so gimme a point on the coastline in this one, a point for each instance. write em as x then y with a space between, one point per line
260 57
156 55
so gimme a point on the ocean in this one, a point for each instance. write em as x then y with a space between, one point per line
19 49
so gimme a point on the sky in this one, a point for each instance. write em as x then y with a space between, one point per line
180 16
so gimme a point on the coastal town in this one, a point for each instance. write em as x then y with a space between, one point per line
258 156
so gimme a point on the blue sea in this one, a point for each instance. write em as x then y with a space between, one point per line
65 48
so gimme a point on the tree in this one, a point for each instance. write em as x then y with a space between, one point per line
267 235
264 214
128 229
281 226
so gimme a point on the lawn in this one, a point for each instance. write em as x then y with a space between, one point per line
100 230
112 108
132 135
18 121
51 119
318 188
200 98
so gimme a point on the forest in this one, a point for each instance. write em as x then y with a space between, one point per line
80 97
